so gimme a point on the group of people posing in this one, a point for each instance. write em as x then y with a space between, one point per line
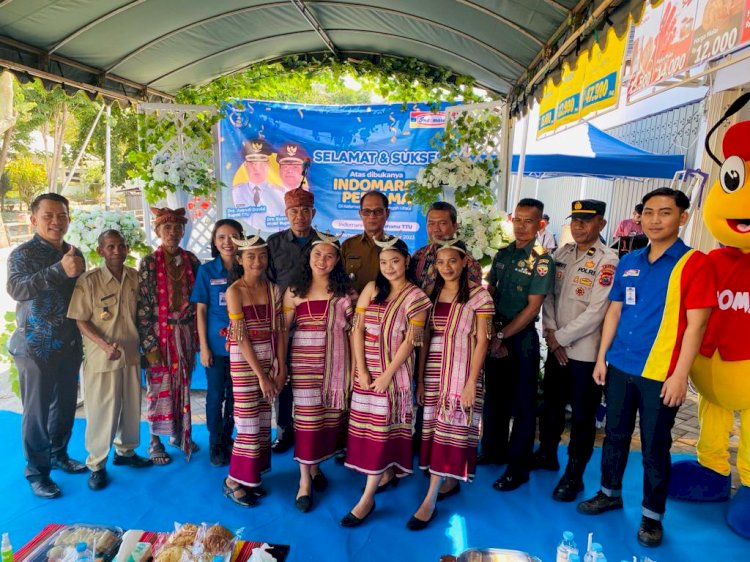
371 354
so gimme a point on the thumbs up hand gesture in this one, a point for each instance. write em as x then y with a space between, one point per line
72 264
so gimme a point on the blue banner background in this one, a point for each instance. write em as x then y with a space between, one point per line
353 150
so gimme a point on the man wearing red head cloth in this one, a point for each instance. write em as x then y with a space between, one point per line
167 330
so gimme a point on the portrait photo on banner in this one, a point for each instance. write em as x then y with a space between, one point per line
338 153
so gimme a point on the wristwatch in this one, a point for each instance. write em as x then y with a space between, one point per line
500 336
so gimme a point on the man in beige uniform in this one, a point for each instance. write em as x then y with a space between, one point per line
104 305
572 322
360 255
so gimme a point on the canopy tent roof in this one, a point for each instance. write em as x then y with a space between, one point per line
585 150
143 49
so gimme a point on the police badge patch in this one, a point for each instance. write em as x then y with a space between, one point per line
542 269
606 275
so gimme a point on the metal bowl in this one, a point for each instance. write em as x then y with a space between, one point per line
495 555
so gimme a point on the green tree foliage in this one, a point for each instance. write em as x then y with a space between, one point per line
123 131
27 177
322 79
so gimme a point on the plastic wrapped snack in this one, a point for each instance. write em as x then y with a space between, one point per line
173 554
59 545
184 535
217 540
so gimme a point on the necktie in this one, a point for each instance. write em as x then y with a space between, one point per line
256 196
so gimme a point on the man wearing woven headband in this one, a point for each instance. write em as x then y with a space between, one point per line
261 197
572 322
286 251
167 330
521 277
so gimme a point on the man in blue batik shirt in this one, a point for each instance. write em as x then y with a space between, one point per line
46 345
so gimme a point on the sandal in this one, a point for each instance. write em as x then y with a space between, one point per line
245 500
178 445
158 454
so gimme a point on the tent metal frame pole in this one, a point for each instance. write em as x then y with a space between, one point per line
521 163
108 159
83 148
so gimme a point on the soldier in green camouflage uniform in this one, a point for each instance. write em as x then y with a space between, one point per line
521 277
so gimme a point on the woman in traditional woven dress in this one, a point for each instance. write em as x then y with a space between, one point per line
318 311
389 322
450 382
257 348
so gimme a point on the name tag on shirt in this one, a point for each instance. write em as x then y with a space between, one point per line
222 299
630 295
222 281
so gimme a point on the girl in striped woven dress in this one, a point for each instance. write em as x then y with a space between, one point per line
389 322
450 383
257 348
318 310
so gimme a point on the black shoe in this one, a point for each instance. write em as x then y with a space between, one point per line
392 483
285 443
600 503
544 461
452 492
248 500
510 481
134 461
217 456
414 524
320 482
66 464
567 489
98 480
45 488
351 520
340 457
651 532
257 491
304 503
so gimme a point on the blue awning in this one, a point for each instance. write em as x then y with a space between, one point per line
585 150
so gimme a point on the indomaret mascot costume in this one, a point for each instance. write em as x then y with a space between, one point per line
721 371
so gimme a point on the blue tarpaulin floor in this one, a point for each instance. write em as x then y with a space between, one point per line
527 519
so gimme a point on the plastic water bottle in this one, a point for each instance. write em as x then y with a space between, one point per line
7 549
595 554
83 554
566 547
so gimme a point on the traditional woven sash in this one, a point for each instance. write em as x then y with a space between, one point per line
337 366
457 354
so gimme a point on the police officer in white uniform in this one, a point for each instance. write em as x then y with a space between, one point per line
572 322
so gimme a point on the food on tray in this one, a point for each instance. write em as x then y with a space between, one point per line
104 538
184 536
171 554
217 539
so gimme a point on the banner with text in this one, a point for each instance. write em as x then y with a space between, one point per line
679 34
348 151
601 87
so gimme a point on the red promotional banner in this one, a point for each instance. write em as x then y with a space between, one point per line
674 36
746 23
718 29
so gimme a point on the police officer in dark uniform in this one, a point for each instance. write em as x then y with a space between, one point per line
521 277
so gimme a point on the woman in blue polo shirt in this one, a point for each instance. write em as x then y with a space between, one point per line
209 293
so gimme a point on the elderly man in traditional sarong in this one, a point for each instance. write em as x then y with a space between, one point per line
167 330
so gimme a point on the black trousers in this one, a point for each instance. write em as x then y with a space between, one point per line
284 419
628 395
569 384
219 402
510 391
49 390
